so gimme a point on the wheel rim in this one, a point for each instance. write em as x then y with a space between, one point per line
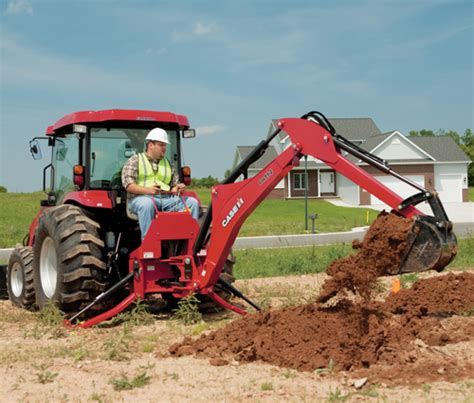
48 267
16 280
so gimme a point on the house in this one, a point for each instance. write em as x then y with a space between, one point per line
432 162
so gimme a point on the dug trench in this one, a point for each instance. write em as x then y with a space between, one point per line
402 339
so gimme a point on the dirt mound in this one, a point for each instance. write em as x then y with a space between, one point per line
379 253
359 333
345 336
445 295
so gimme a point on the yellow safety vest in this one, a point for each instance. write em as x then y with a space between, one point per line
148 177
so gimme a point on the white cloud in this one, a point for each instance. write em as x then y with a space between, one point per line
19 7
200 29
203 29
209 130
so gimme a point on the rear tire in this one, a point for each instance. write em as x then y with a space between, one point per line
20 284
68 263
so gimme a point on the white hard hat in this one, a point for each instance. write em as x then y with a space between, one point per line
158 134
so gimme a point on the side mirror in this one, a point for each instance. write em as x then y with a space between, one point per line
35 150
189 133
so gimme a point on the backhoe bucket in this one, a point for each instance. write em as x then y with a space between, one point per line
429 248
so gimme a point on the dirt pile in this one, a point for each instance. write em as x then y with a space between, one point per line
345 336
358 333
379 253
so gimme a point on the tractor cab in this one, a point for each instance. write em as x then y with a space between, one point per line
90 148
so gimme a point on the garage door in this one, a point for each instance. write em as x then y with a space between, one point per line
449 187
400 188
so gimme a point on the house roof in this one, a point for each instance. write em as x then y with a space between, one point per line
355 128
269 155
441 148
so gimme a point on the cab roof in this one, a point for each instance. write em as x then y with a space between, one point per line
145 118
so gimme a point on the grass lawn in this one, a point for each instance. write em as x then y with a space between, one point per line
272 217
279 217
471 194
16 214
253 263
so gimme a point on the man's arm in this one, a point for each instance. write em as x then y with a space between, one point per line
142 190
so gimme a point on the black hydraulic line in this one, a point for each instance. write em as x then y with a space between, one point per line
239 170
105 294
230 288
373 161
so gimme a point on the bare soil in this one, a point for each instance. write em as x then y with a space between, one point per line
342 336
425 356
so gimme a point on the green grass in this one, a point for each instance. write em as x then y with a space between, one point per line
272 217
253 263
278 217
471 194
16 214
465 257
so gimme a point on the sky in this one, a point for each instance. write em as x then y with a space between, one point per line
231 67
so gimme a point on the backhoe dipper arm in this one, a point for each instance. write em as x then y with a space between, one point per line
232 203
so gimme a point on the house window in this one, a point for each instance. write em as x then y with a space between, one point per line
299 181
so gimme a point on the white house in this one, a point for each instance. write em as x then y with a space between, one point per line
433 162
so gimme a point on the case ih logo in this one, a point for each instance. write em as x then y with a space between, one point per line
265 177
233 212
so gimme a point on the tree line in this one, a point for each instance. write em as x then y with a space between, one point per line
465 141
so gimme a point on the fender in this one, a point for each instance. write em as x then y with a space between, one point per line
89 198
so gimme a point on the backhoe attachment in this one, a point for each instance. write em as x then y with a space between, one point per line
429 248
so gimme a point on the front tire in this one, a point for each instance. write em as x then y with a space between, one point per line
68 262
20 284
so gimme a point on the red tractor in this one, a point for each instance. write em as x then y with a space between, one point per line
84 251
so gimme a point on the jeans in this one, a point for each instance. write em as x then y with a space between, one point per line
144 208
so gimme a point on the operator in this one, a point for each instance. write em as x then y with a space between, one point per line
146 175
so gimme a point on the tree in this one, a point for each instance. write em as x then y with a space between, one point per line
3 189
467 145
421 133
204 182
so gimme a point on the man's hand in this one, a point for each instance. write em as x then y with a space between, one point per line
179 187
155 189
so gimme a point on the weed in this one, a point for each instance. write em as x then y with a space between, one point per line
50 315
468 312
406 280
49 321
336 396
148 365
148 347
173 375
266 386
371 392
117 348
328 370
44 375
289 374
188 310
199 328
426 388
79 354
97 397
138 315
124 383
